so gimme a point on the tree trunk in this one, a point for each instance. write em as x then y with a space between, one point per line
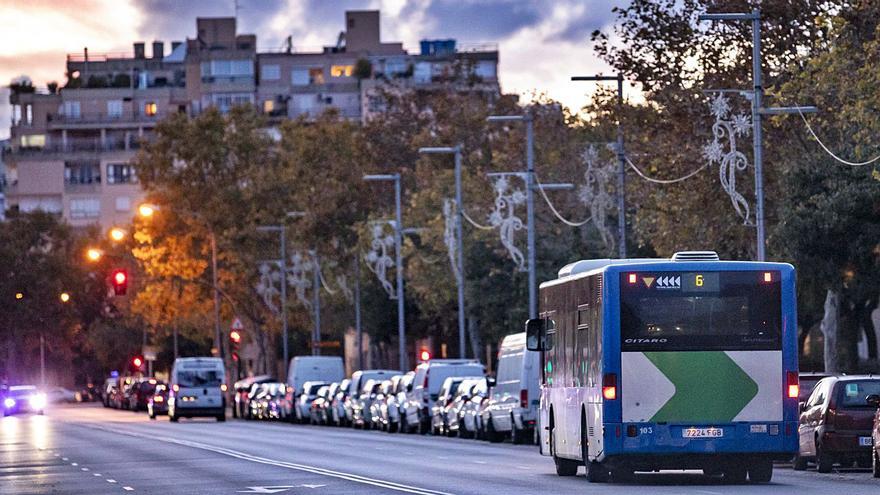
830 326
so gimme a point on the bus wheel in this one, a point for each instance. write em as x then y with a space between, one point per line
799 464
761 471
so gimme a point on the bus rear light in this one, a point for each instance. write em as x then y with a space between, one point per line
768 276
632 278
524 398
793 385
609 386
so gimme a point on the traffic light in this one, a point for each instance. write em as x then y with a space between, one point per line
234 343
424 355
137 362
119 279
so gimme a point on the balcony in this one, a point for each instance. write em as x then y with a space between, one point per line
78 145
101 119
82 184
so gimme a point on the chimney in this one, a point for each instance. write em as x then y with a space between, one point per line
175 44
158 49
139 50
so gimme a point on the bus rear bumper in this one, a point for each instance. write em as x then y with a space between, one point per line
668 443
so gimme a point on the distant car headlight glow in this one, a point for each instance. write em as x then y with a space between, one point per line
9 402
38 401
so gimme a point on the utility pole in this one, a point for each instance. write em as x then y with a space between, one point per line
359 336
398 241
459 257
316 302
621 161
758 110
218 342
282 263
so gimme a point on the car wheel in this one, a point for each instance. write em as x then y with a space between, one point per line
152 416
221 418
491 434
761 471
173 418
517 436
799 464
824 462
403 427
875 463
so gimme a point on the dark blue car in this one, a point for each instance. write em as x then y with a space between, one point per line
23 398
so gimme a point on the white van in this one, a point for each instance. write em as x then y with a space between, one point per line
198 387
302 369
427 382
513 405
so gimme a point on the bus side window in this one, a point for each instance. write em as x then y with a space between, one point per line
550 329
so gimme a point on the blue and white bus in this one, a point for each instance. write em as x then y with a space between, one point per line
682 363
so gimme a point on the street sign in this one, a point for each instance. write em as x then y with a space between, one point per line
149 353
236 324
327 343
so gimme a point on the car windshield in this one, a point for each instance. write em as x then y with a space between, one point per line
199 378
854 393
21 392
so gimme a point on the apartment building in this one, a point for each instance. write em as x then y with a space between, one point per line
71 148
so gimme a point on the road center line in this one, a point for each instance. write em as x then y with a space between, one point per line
271 462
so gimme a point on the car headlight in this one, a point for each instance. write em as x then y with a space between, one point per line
38 401
9 402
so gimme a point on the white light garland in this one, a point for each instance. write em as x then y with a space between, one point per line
449 235
598 180
728 127
378 260
298 277
266 286
504 216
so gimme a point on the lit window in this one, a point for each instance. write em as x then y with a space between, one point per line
316 75
341 70
150 109
33 141
268 106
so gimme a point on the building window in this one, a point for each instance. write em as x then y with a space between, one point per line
316 75
114 108
71 109
16 114
121 173
82 173
225 101
150 109
123 204
422 72
85 208
485 69
270 72
228 68
28 114
268 106
341 70
33 141
299 77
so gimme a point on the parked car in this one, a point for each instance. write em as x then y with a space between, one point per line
240 391
158 402
394 413
304 400
302 369
338 394
428 378
875 435
55 395
467 410
443 405
23 398
319 406
123 397
140 392
807 381
266 401
358 378
362 417
513 405
110 385
379 407
836 422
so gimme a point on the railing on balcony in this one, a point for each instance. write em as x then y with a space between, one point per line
103 118
73 145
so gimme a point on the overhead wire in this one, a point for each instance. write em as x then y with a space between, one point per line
664 181
555 211
831 153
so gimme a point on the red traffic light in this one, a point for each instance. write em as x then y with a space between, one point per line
137 362
235 337
119 279
425 355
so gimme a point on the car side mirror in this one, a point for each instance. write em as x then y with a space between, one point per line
535 334
490 381
801 406
873 400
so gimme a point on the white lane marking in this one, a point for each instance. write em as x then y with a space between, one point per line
74 464
65 459
271 462
111 481
480 462
85 469
96 474
523 467
128 488
266 489
57 455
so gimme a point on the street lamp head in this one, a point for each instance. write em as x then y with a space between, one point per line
382 177
439 150
117 234
94 254
507 118
146 210
65 297
19 295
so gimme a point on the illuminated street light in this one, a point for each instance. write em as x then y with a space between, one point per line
117 234
94 254
64 297
146 210
19 295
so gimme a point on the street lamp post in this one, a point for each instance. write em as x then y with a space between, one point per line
530 202
398 235
282 232
459 261
621 161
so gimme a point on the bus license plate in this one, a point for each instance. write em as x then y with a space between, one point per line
865 441
702 432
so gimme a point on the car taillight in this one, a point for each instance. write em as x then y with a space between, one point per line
176 388
223 387
793 383
609 386
524 398
158 398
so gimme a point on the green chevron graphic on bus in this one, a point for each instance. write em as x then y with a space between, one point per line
701 386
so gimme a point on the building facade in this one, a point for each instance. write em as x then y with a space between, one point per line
71 148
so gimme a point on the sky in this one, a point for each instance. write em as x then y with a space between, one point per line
541 42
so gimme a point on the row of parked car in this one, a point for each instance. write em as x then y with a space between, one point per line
452 397
136 394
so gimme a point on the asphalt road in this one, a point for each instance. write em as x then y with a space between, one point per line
85 449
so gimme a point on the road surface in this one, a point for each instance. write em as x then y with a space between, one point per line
86 449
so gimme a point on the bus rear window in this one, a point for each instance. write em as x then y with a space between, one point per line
700 311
